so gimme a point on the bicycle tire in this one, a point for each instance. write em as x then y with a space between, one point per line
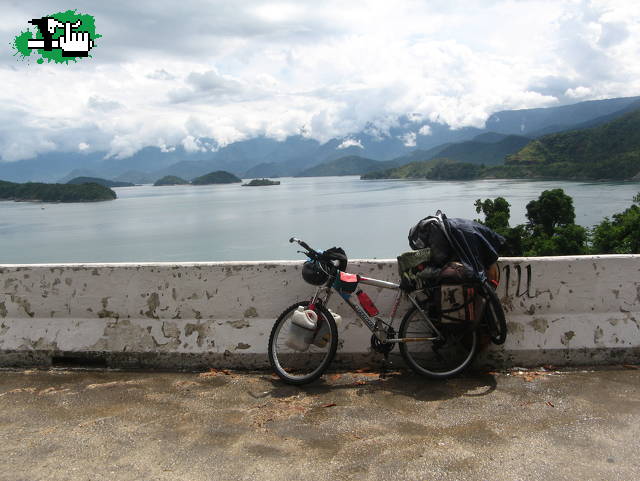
276 358
494 317
431 366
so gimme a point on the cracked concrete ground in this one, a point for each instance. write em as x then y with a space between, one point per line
521 425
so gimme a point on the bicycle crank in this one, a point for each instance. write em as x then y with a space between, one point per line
380 346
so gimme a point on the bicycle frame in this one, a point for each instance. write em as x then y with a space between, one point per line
373 323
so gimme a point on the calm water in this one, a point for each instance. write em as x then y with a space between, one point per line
229 222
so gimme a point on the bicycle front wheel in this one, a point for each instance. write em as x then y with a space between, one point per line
302 367
442 357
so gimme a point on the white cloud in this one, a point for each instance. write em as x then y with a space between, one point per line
578 92
96 102
346 143
229 71
409 139
425 130
83 146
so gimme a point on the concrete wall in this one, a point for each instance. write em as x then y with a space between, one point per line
560 310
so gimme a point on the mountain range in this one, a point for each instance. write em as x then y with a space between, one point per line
610 151
505 133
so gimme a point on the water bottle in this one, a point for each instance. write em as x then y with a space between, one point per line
303 327
367 304
323 335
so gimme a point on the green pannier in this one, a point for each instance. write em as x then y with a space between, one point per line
415 269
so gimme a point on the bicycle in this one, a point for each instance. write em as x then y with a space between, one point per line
432 342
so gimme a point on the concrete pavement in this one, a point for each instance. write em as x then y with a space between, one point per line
519 425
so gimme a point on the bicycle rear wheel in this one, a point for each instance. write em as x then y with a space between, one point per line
302 367
438 358
494 318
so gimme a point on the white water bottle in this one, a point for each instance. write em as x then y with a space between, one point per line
303 327
323 335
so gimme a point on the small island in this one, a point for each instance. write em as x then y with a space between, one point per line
99 181
40 192
170 180
261 182
217 177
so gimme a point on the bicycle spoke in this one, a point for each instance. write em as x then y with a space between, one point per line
443 355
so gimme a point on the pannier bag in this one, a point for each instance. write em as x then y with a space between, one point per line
455 273
416 270
428 233
466 241
346 284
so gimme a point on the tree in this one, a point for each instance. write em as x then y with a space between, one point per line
566 240
621 235
496 212
553 208
551 230
496 216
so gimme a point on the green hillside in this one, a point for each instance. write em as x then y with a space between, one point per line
97 180
609 151
349 165
413 170
39 192
484 152
217 177
170 180
455 171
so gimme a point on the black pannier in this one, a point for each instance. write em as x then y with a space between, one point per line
472 246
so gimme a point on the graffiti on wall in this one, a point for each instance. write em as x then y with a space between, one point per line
522 280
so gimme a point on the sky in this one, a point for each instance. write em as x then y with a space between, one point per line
182 73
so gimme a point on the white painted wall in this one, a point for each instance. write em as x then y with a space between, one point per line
569 310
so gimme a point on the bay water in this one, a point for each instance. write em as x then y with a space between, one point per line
369 219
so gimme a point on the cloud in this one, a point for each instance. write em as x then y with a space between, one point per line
161 74
346 143
97 103
425 130
409 139
578 92
166 75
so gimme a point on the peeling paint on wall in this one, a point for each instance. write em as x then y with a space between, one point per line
228 309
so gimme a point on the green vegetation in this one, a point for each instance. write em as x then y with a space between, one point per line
481 150
412 170
96 180
349 165
217 177
609 151
35 191
620 235
454 171
261 182
497 213
551 230
170 180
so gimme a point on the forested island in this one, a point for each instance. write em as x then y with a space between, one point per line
217 177
261 182
97 180
170 180
40 192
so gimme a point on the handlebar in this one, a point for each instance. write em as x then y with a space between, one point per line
302 243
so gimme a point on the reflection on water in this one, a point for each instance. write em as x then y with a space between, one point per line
230 222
